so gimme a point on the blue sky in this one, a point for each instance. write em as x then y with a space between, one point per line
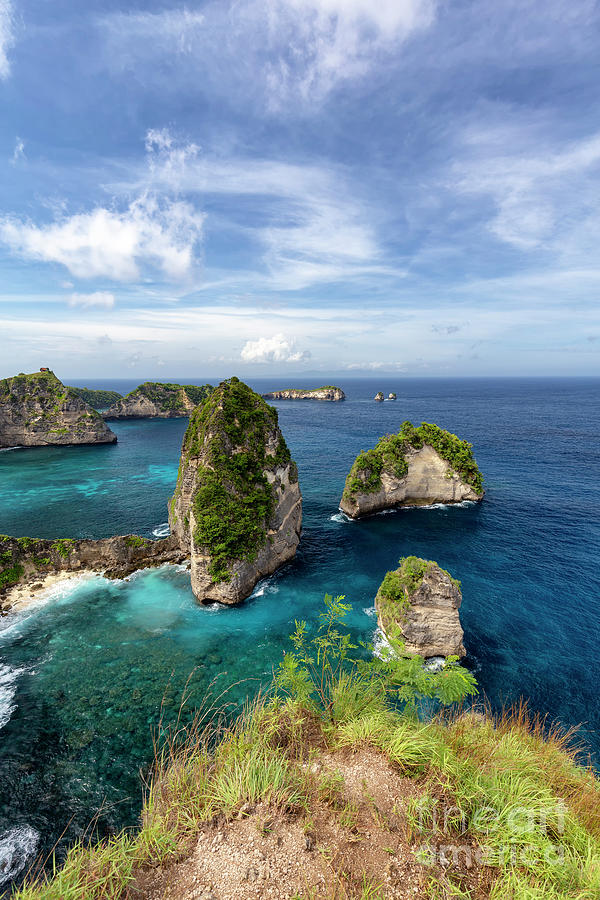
265 187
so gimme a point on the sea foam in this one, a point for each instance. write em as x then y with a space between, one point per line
16 847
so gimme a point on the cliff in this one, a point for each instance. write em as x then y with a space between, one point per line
418 605
156 400
28 560
237 507
97 399
327 392
416 467
37 410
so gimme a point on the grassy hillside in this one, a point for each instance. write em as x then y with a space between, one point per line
324 788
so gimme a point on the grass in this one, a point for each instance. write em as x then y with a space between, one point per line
509 792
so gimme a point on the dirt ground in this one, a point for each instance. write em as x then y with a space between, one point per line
355 842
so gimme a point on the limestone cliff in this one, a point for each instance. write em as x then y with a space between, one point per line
37 410
25 559
417 605
327 392
157 400
237 507
416 467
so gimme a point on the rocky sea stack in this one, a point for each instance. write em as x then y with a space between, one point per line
326 392
417 609
416 467
158 400
38 410
237 507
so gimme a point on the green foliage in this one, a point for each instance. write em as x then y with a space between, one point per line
96 399
233 501
134 540
170 397
390 455
11 575
63 546
313 673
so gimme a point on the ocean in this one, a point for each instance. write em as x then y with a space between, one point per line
89 672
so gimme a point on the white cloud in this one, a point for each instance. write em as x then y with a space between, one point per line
543 191
7 37
273 350
312 227
18 152
99 299
111 244
279 50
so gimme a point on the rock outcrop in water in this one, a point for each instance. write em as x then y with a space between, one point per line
416 467
237 507
157 400
327 392
417 605
38 410
28 560
379 398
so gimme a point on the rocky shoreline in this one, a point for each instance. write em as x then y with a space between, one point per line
36 563
328 392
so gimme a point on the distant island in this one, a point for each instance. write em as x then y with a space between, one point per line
327 392
97 399
158 400
38 410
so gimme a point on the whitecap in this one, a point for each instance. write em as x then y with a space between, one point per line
267 585
8 689
7 449
340 517
162 531
16 847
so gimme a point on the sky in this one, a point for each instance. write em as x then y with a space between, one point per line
288 187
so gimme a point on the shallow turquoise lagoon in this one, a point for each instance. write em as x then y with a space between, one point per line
86 675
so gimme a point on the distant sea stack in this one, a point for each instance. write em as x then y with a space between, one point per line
37 410
416 467
327 392
379 397
391 396
417 607
157 400
237 507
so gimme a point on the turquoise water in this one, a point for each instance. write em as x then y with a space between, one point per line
86 676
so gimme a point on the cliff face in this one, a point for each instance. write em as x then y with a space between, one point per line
31 559
418 604
38 410
328 392
158 401
237 507
416 467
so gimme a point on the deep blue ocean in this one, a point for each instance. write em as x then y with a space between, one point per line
86 674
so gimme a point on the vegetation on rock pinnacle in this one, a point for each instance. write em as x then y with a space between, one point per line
233 500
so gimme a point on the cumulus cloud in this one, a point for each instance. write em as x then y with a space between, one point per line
99 299
114 244
7 37
273 350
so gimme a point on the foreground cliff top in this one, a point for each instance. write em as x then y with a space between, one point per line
237 504
327 392
157 399
417 466
39 410
417 608
323 788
